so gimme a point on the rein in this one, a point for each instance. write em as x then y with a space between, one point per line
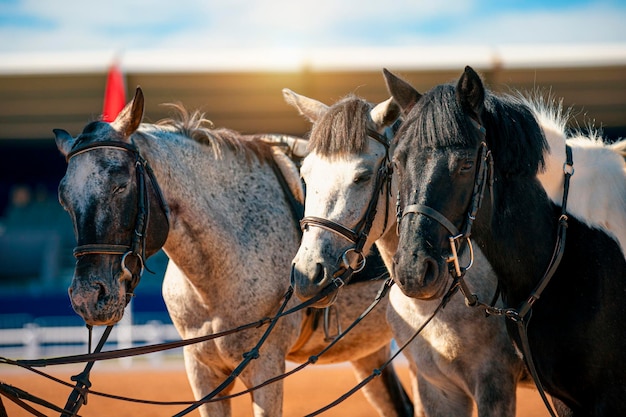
358 235
78 397
79 394
247 358
522 315
17 395
378 371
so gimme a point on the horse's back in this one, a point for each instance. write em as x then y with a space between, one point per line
598 187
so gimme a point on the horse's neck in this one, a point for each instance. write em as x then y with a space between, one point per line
187 182
597 194
517 234
222 210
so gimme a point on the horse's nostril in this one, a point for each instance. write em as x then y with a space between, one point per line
101 290
319 273
431 270
292 276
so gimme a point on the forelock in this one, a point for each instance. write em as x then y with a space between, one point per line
342 129
437 120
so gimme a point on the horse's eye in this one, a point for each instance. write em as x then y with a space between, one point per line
119 189
466 165
360 179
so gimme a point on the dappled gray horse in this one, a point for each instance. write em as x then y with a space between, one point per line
230 236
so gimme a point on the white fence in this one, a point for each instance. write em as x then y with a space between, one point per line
34 342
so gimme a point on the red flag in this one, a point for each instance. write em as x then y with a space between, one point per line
114 94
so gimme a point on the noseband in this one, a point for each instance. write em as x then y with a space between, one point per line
484 176
137 246
358 235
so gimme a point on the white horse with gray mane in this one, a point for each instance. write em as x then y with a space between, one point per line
230 236
461 357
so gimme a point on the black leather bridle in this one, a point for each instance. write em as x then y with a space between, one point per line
358 235
483 178
137 242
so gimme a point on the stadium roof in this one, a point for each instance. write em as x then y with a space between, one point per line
290 60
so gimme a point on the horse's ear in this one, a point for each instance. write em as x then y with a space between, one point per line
310 108
470 92
402 92
385 113
129 119
64 141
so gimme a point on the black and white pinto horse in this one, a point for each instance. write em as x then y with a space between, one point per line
460 358
461 142
230 235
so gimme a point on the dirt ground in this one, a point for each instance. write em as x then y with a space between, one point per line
305 392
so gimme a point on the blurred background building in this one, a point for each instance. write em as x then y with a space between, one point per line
36 236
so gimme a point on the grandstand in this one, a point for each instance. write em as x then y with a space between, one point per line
239 89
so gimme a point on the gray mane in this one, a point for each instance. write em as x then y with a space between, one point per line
342 129
194 125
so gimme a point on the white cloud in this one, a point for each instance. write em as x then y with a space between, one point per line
581 25
205 25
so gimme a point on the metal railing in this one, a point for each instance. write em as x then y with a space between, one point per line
33 341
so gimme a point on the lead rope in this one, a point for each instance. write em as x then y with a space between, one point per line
525 312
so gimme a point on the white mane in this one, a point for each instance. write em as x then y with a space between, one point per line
597 193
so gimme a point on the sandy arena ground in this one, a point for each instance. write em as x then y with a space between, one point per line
305 392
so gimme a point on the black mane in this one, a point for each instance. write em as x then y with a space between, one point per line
513 134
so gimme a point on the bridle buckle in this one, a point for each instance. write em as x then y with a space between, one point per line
126 269
361 260
454 257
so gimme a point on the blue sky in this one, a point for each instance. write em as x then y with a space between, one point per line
144 25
